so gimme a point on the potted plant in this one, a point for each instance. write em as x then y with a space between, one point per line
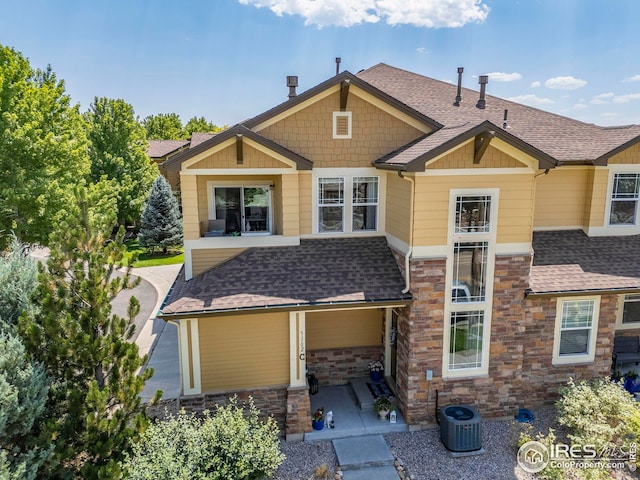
317 419
376 370
631 382
383 405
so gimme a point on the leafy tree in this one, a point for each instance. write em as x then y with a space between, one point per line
118 152
160 225
43 149
18 281
95 410
23 394
199 124
164 126
231 443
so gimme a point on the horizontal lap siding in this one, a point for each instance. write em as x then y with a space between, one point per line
398 207
244 351
561 197
202 260
597 188
514 209
345 328
304 196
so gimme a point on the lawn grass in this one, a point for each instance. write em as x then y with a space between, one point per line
146 259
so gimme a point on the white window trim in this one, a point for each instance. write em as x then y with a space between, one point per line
626 229
619 324
588 357
336 115
347 174
211 207
487 305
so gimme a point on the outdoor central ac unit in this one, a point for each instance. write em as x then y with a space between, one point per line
461 428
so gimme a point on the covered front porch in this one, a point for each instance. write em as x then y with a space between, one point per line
353 414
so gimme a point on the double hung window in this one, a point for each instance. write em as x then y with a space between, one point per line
576 326
624 199
348 204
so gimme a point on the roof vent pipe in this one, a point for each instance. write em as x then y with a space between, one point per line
292 83
459 94
338 60
482 80
504 120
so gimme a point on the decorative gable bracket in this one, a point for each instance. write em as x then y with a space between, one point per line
344 94
481 144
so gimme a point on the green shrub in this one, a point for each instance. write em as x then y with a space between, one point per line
550 472
601 413
233 442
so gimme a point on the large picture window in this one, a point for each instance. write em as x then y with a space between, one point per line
472 233
469 272
576 323
624 199
465 340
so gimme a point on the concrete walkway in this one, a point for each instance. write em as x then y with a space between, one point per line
159 339
365 458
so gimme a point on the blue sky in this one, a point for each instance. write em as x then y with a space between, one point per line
227 60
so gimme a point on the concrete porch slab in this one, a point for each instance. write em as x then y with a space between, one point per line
378 473
358 453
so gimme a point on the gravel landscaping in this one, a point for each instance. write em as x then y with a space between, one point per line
424 457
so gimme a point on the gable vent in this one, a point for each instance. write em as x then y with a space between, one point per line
341 125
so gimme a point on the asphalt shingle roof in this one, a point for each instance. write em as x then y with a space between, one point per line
160 148
570 261
316 272
563 138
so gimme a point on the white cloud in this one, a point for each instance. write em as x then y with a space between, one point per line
626 98
346 13
635 78
565 83
602 98
535 84
504 77
421 50
531 99
580 106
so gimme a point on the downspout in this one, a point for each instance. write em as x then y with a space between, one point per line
407 257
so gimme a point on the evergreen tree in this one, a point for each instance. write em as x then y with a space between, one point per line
23 394
18 281
94 411
160 225
118 151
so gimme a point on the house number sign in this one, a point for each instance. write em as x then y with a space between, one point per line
301 347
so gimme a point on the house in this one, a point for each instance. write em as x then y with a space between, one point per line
160 151
487 245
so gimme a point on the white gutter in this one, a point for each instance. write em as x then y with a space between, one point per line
407 256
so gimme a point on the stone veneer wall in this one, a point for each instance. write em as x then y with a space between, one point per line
336 366
522 331
270 401
541 380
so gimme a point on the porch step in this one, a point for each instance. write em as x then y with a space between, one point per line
364 398
379 473
359 453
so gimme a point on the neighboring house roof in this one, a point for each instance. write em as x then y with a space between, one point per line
569 261
198 137
564 139
316 273
174 162
162 148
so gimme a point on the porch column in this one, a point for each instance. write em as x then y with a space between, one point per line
387 340
297 349
190 357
